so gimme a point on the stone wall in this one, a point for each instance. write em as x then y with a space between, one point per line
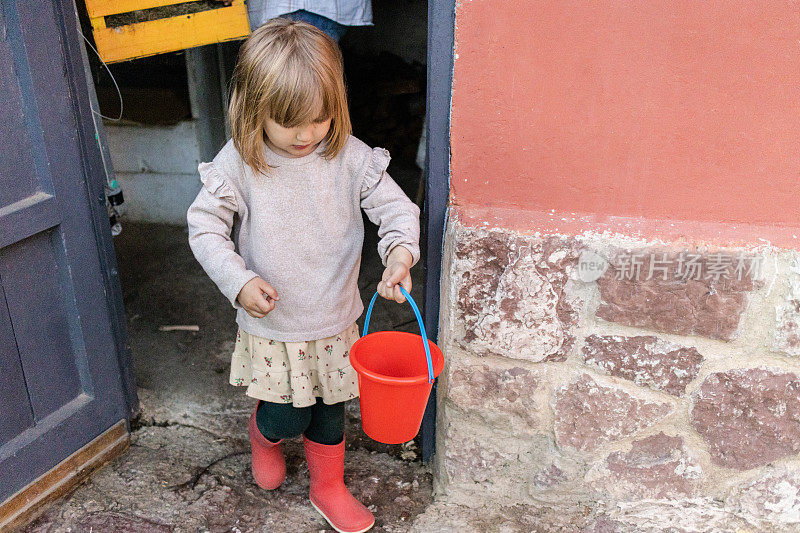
663 397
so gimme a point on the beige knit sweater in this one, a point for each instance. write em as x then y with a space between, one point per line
300 229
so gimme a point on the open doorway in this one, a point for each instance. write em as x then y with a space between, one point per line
190 437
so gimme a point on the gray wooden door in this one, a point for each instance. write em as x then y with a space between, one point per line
63 378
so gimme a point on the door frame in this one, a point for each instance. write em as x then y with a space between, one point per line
441 39
90 139
441 26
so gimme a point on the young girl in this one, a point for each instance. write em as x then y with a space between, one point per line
289 186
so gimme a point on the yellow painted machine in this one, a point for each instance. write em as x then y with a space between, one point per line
128 29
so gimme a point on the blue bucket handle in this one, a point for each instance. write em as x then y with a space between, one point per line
419 321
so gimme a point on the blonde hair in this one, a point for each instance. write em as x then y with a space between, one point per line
286 69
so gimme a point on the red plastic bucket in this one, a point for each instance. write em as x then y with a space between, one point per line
395 371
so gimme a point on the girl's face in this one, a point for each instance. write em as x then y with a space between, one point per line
297 141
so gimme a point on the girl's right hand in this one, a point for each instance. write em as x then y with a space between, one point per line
258 297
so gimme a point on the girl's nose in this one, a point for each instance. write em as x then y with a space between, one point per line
304 135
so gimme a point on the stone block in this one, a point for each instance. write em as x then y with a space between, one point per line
702 294
787 331
503 397
509 294
773 498
658 466
786 339
477 461
748 417
646 360
470 461
588 415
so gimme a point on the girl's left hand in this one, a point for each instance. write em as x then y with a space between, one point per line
388 286
398 270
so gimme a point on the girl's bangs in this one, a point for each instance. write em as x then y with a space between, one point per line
297 100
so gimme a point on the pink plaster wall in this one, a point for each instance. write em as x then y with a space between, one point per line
658 117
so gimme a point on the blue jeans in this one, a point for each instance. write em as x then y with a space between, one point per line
329 26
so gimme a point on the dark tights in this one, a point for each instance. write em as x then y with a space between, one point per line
321 423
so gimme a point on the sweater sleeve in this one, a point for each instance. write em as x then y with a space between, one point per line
387 205
210 219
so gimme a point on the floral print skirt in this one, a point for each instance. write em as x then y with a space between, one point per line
296 372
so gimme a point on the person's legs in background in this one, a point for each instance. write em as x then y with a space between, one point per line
329 26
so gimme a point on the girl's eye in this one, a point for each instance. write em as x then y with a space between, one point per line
320 120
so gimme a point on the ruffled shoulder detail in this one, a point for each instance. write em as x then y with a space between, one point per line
379 161
215 183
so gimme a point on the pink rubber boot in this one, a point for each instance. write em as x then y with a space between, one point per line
269 465
328 493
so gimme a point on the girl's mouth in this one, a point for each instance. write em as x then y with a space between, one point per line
301 147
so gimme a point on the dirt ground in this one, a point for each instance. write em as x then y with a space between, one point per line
188 467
